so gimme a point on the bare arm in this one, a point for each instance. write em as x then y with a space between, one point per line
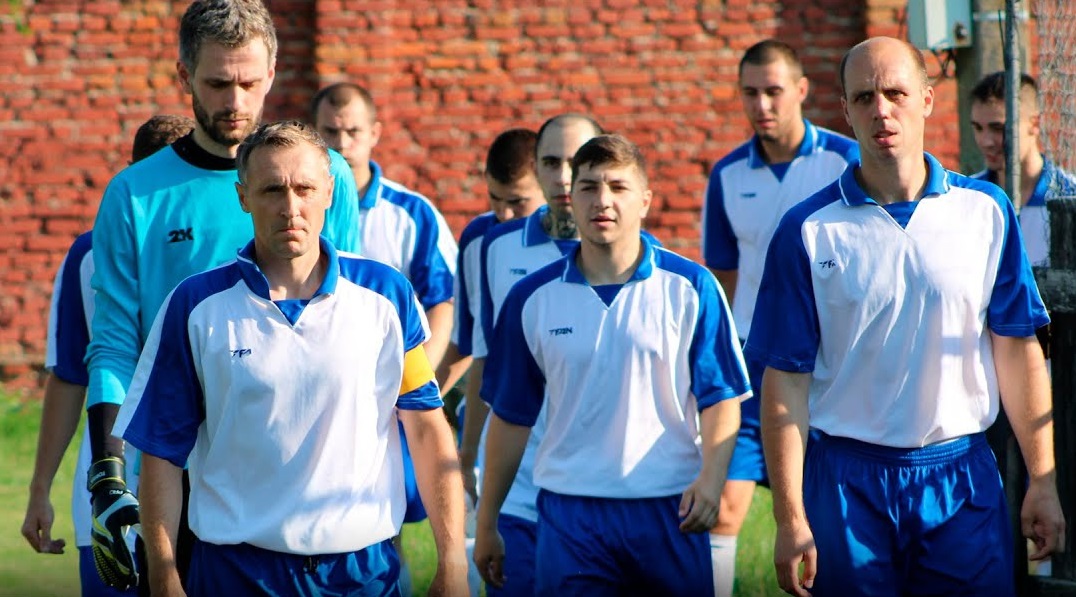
1025 395
784 437
441 321
727 278
59 420
474 419
452 367
439 484
719 424
505 444
161 495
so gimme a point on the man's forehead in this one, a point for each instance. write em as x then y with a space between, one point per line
608 171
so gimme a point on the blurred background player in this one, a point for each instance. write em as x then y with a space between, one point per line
509 252
1040 179
65 386
896 305
787 160
321 353
630 354
171 216
398 227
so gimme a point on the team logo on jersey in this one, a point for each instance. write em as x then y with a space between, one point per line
180 234
827 264
517 271
560 331
240 353
748 195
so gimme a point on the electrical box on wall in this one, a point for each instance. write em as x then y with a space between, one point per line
939 24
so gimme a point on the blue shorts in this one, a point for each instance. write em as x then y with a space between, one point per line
415 512
599 546
520 539
92 586
247 570
900 522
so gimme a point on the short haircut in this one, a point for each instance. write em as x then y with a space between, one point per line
511 155
341 94
992 87
769 51
561 120
288 133
230 23
614 150
157 133
917 57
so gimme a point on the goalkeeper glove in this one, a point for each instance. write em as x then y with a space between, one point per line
114 509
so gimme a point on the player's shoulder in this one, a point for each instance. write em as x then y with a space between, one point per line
834 142
1061 182
81 246
957 181
196 288
526 287
826 197
477 228
374 275
740 154
502 230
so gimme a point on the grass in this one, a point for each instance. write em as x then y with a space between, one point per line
24 573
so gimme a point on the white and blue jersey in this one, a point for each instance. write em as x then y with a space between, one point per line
621 371
286 410
889 308
468 292
1034 217
403 229
746 197
162 219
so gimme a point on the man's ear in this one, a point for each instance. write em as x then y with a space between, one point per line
241 191
184 76
375 133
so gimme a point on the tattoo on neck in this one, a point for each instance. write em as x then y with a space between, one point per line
559 226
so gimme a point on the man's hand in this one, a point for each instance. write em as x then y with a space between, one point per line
37 526
794 545
489 555
114 510
699 505
450 580
1041 518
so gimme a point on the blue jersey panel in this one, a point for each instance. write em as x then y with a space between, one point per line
72 335
466 279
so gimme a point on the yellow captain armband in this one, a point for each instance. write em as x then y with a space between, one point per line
417 371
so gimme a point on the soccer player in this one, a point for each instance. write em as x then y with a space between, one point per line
170 216
320 353
509 251
1040 178
896 305
633 355
65 386
398 226
514 192
787 160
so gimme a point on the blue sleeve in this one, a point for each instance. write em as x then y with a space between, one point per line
484 330
719 248
69 334
512 382
116 338
717 367
784 330
464 328
342 218
1015 307
434 259
166 394
427 397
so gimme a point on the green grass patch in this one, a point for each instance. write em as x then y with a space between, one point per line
24 573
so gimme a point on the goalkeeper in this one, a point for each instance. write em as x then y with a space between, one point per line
281 376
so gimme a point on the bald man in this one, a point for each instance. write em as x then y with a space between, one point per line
896 306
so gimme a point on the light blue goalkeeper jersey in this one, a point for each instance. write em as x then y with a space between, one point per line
167 217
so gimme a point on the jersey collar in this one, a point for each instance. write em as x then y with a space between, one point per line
573 275
808 146
373 192
533 232
258 283
852 194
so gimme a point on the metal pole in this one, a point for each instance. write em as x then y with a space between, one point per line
1012 103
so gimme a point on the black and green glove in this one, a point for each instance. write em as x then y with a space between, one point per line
115 510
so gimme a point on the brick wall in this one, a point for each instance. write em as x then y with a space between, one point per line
80 76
